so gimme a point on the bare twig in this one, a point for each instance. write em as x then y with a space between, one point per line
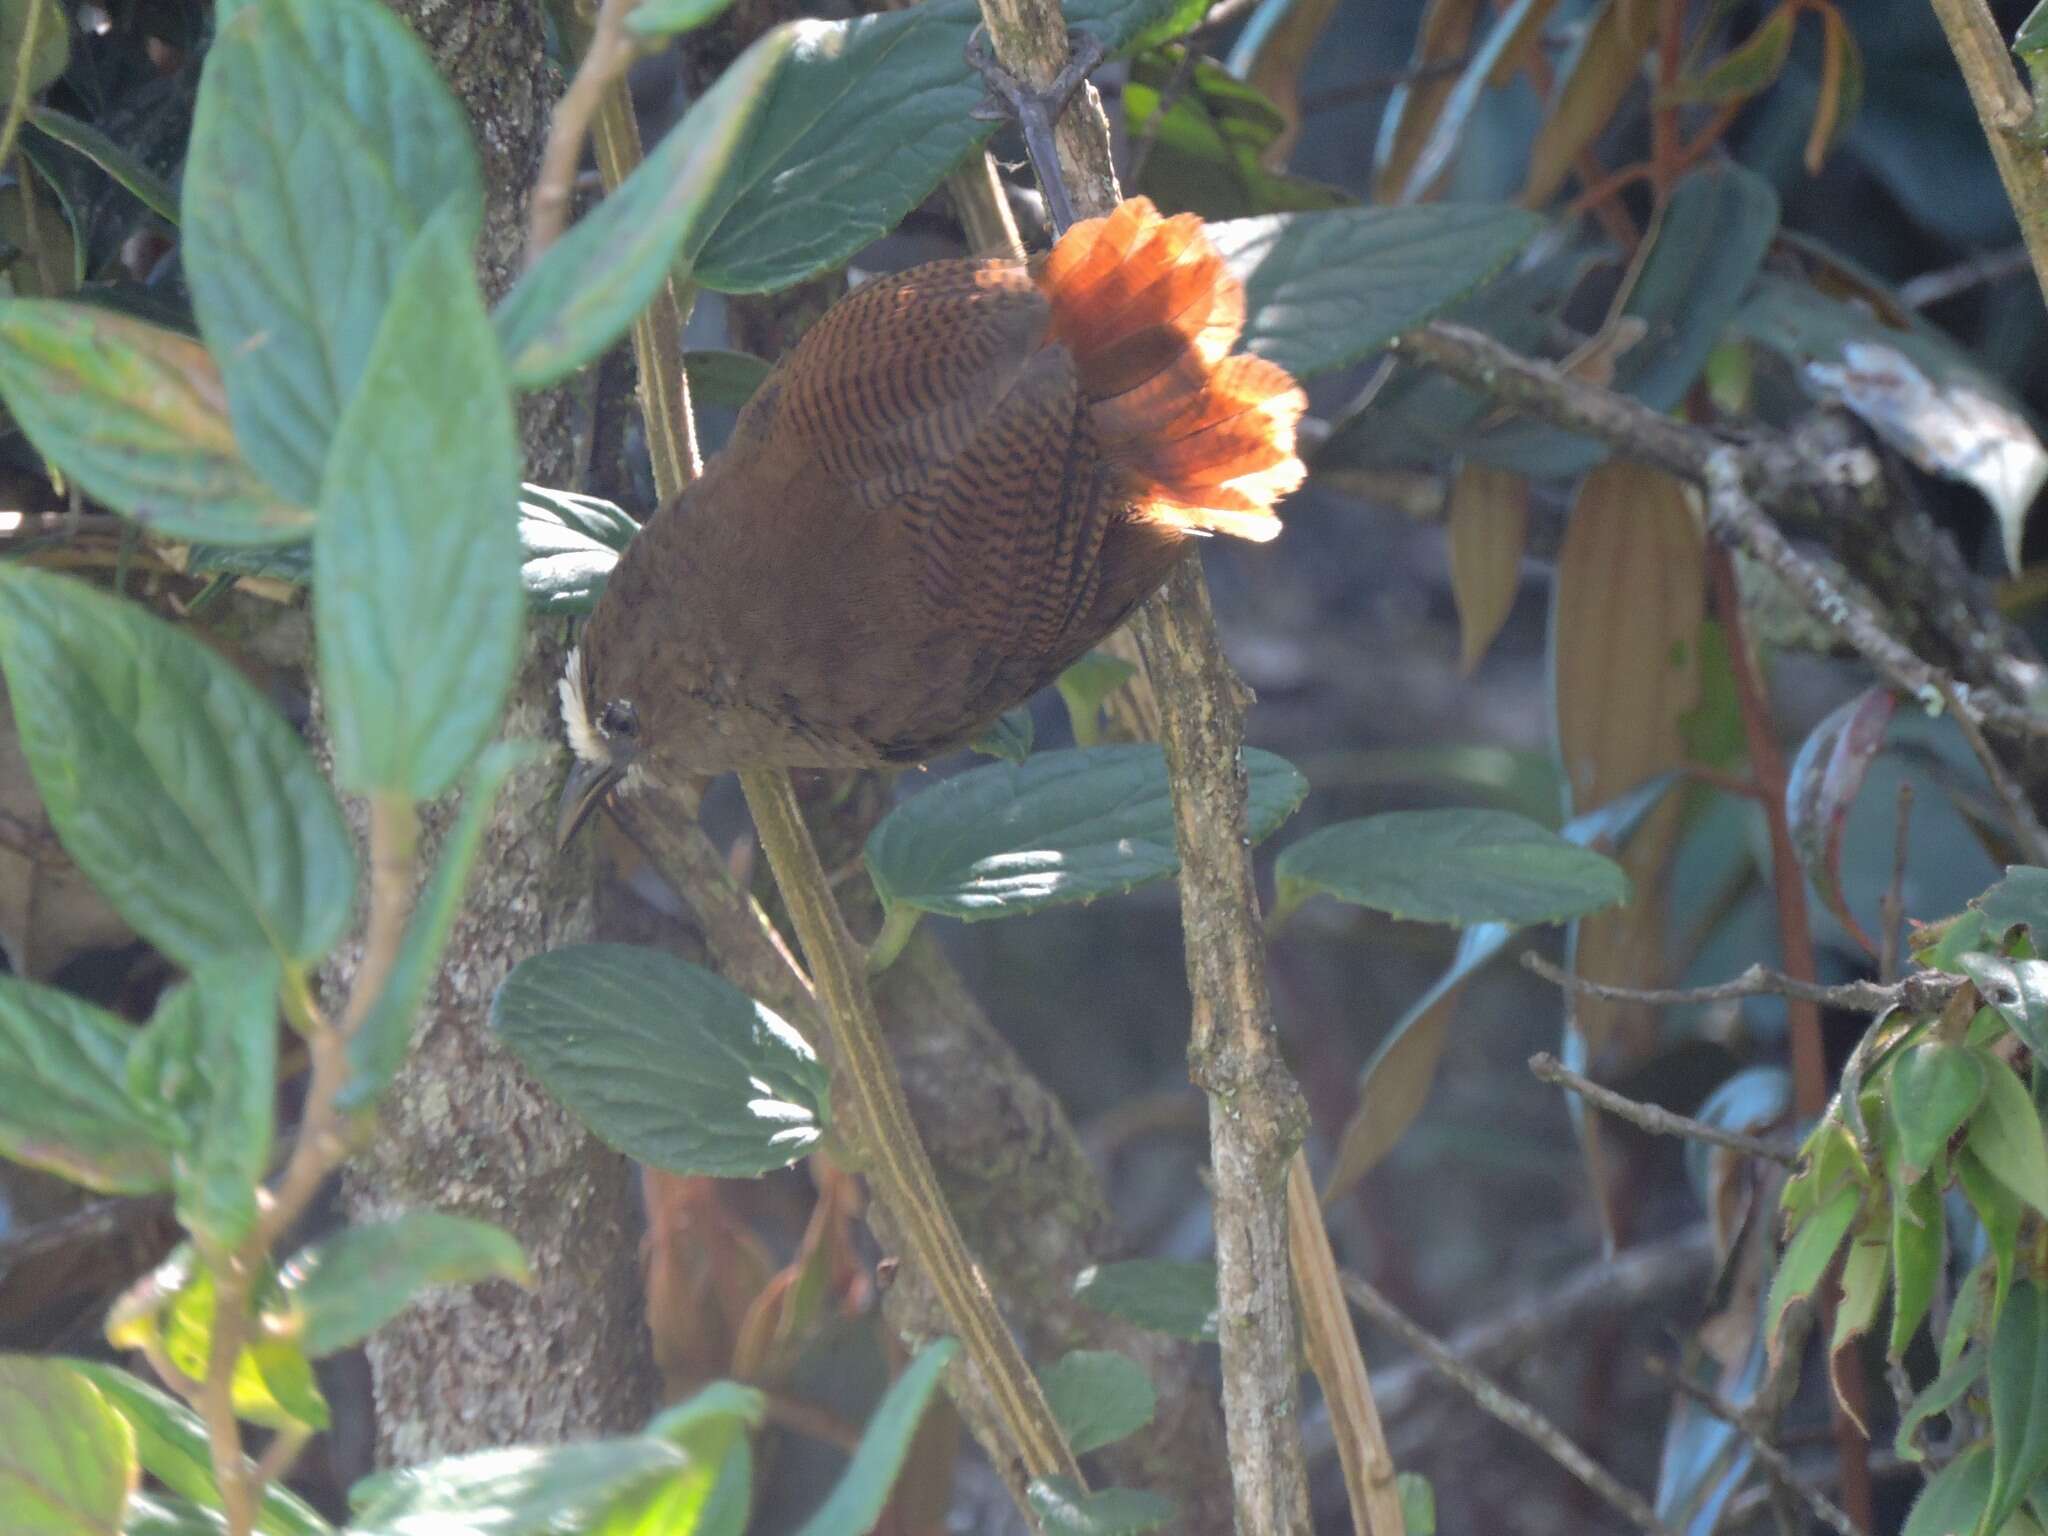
2026 825
1775 1461
1653 1118
2003 107
1936 287
1922 992
1529 1422
1743 481
604 60
1256 1115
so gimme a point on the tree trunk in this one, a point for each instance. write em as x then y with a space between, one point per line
463 1129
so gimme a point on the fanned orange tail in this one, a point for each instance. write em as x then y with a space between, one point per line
1150 313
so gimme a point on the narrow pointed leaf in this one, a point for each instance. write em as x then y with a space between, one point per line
586 288
171 1444
1955 1498
172 781
67 1460
64 1100
323 142
1806 1258
1059 827
1461 867
416 553
663 1060
518 1491
209 1055
2019 1403
2005 1134
855 1504
1934 1088
136 415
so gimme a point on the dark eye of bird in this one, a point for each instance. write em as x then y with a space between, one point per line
619 719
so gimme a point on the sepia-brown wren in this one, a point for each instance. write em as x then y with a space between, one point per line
962 478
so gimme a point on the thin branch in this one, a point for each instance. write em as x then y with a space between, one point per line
1945 283
2025 824
1256 1113
1775 1461
1653 1118
1529 1422
2003 107
1922 992
605 60
1744 480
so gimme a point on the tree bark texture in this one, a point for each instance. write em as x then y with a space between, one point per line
463 1128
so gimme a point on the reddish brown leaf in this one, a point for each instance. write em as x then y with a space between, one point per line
1822 785
1488 521
1445 37
1607 66
1629 603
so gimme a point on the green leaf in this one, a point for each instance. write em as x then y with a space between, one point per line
180 791
2019 1403
518 1491
586 288
1085 686
322 143
2020 900
1171 1296
1009 739
663 1060
667 18
157 1514
1418 1504
2006 1134
723 378
568 545
377 1049
1917 1232
2018 989
1747 68
1067 1510
84 138
865 119
272 1383
1933 1087
855 1503
1954 1500
1942 1394
1864 1270
1098 1396
1327 290
718 1490
1212 134
344 1288
135 414
1807 1256
209 1056
1059 827
46 60
1462 867
1998 1210
67 1460
416 553
172 1445
1702 261
64 1101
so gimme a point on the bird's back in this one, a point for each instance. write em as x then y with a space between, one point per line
966 474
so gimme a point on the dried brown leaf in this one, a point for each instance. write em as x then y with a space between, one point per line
1488 519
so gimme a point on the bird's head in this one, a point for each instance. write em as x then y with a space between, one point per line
604 732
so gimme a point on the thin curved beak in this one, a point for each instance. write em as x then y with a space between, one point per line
587 785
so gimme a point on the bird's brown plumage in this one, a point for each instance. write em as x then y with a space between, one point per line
963 477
